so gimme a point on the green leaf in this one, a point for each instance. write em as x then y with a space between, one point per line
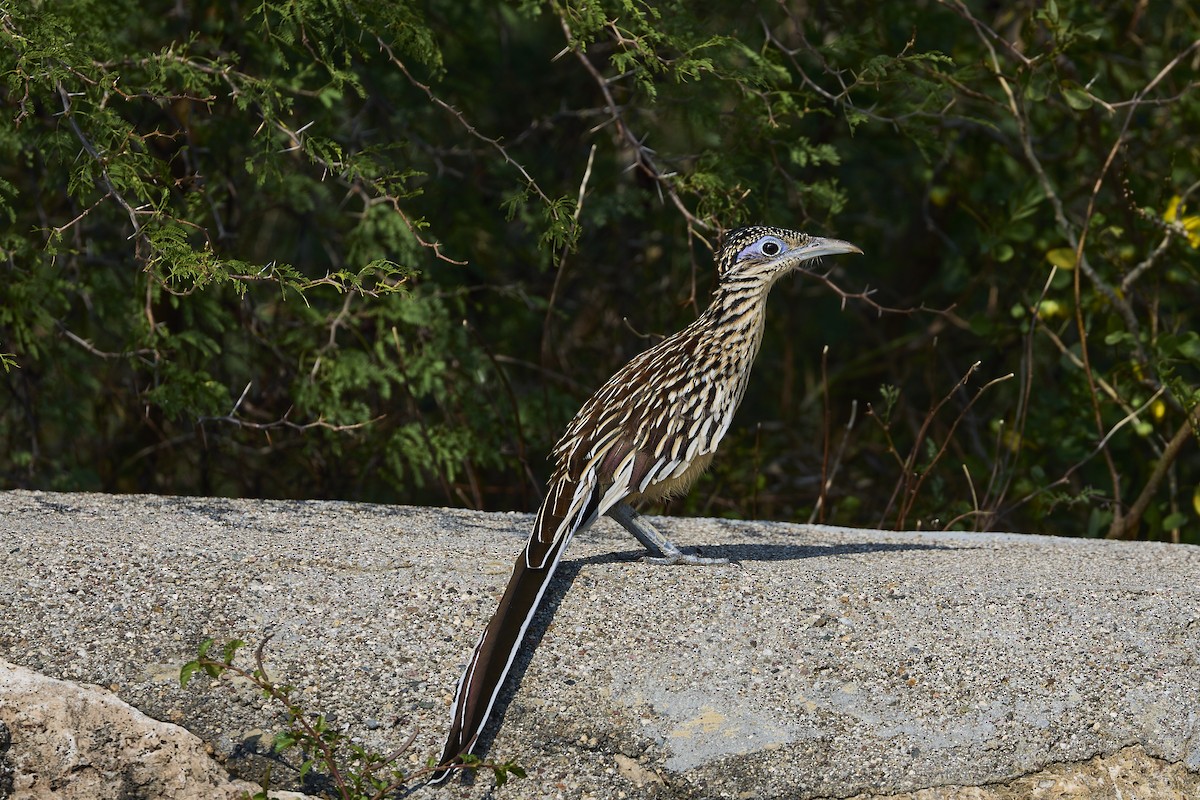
1175 520
1187 345
1062 257
186 672
231 649
284 740
1076 97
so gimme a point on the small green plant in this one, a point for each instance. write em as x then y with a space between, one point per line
354 772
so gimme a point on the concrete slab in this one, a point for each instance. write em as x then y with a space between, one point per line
826 663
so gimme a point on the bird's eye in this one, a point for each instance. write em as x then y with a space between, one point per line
762 247
771 247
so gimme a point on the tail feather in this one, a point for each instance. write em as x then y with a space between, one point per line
501 640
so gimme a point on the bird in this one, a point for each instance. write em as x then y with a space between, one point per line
644 436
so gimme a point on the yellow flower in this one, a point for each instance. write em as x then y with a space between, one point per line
1191 225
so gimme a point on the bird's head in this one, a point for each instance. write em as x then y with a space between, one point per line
761 253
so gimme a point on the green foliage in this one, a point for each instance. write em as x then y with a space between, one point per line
353 771
330 248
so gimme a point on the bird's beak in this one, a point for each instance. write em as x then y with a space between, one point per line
816 247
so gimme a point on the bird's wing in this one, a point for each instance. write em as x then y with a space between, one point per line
646 425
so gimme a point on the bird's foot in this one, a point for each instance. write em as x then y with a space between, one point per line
665 552
679 557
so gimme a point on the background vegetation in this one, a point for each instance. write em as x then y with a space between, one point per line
382 251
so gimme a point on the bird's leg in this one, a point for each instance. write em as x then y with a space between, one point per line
654 541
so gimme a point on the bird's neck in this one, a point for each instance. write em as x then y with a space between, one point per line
737 312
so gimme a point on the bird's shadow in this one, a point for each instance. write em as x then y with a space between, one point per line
568 571
743 553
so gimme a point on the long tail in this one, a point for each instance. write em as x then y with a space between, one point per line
568 509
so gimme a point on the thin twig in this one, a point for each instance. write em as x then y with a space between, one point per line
1163 462
1117 527
819 509
461 118
86 345
1172 230
100 161
283 422
971 485
827 484
644 159
359 185
911 496
865 297
511 396
562 262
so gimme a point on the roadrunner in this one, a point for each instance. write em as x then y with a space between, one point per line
647 433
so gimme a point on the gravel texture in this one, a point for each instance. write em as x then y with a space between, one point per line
825 663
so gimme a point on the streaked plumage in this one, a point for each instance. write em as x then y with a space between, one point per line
645 435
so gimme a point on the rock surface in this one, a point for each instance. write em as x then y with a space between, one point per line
62 740
826 663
